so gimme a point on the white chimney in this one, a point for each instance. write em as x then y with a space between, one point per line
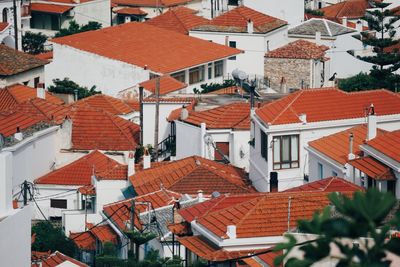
184 113
250 26
40 93
351 154
318 38
371 123
231 231
131 164
200 195
303 118
344 21
127 19
146 159
359 26
18 135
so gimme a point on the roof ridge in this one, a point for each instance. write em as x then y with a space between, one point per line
257 200
179 21
288 105
327 27
12 95
112 117
246 20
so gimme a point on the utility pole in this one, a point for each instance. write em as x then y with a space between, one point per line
15 24
157 117
25 192
141 113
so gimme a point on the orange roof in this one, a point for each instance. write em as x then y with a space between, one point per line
13 95
104 233
3 26
270 257
191 174
144 45
183 100
11 121
130 11
50 8
180 19
39 255
84 240
336 146
87 190
327 104
80 171
57 258
388 144
107 103
230 116
176 113
300 49
330 184
179 229
351 9
373 168
232 90
45 55
208 251
151 3
236 20
167 85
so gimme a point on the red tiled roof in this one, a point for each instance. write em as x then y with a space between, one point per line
57 258
167 85
80 171
104 233
13 95
84 240
130 11
50 8
13 62
144 45
184 100
191 174
87 190
232 90
326 104
351 9
300 49
45 55
230 116
180 19
10 122
388 144
330 184
38 255
336 146
176 113
373 168
107 103
236 20
3 26
151 3
208 251
269 257
179 229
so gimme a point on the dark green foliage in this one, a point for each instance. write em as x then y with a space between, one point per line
67 86
314 12
33 43
50 238
359 82
216 86
76 28
109 257
364 215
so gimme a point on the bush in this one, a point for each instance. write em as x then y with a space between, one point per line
74 28
216 86
361 81
67 86
33 43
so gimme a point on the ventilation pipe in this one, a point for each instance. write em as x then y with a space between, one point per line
146 159
351 154
371 123
250 26
231 231
131 164
184 113
40 92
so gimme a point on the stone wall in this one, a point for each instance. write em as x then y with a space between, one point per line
285 73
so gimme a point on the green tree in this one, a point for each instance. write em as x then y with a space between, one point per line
50 238
66 86
370 215
109 257
74 27
33 43
361 81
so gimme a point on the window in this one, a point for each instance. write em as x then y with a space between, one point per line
233 2
58 203
264 145
218 68
153 75
180 76
334 173
320 171
5 15
210 71
232 44
36 82
286 152
196 75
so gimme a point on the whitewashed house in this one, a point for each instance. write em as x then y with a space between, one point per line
119 57
7 23
247 29
282 128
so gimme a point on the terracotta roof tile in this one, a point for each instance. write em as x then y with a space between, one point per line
87 190
10 122
84 240
373 168
184 100
80 171
3 26
191 174
180 229
180 19
50 8
57 258
300 49
351 9
330 184
230 116
14 62
104 233
232 90
167 85
236 20
151 3
45 55
146 45
388 144
328 104
336 146
130 11
176 113
107 103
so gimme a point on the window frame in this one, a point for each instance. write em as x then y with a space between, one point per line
58 206
178 75
218 64
264 144
290 162
200 70
233 45
320 170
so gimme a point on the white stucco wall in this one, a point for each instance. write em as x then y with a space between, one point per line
26 76
7 36
188 140
97 10
108 191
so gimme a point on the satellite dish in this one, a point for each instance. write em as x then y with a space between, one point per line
208 139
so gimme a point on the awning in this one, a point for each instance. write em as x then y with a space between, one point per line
373 168
50 8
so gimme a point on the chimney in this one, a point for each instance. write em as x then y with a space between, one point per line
359 26
344 21
200 195
18 135
146 159
231 231
131 164
351 154
127 19
318 38
184 113
250 26
75 95
371 123
40 92
303 118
